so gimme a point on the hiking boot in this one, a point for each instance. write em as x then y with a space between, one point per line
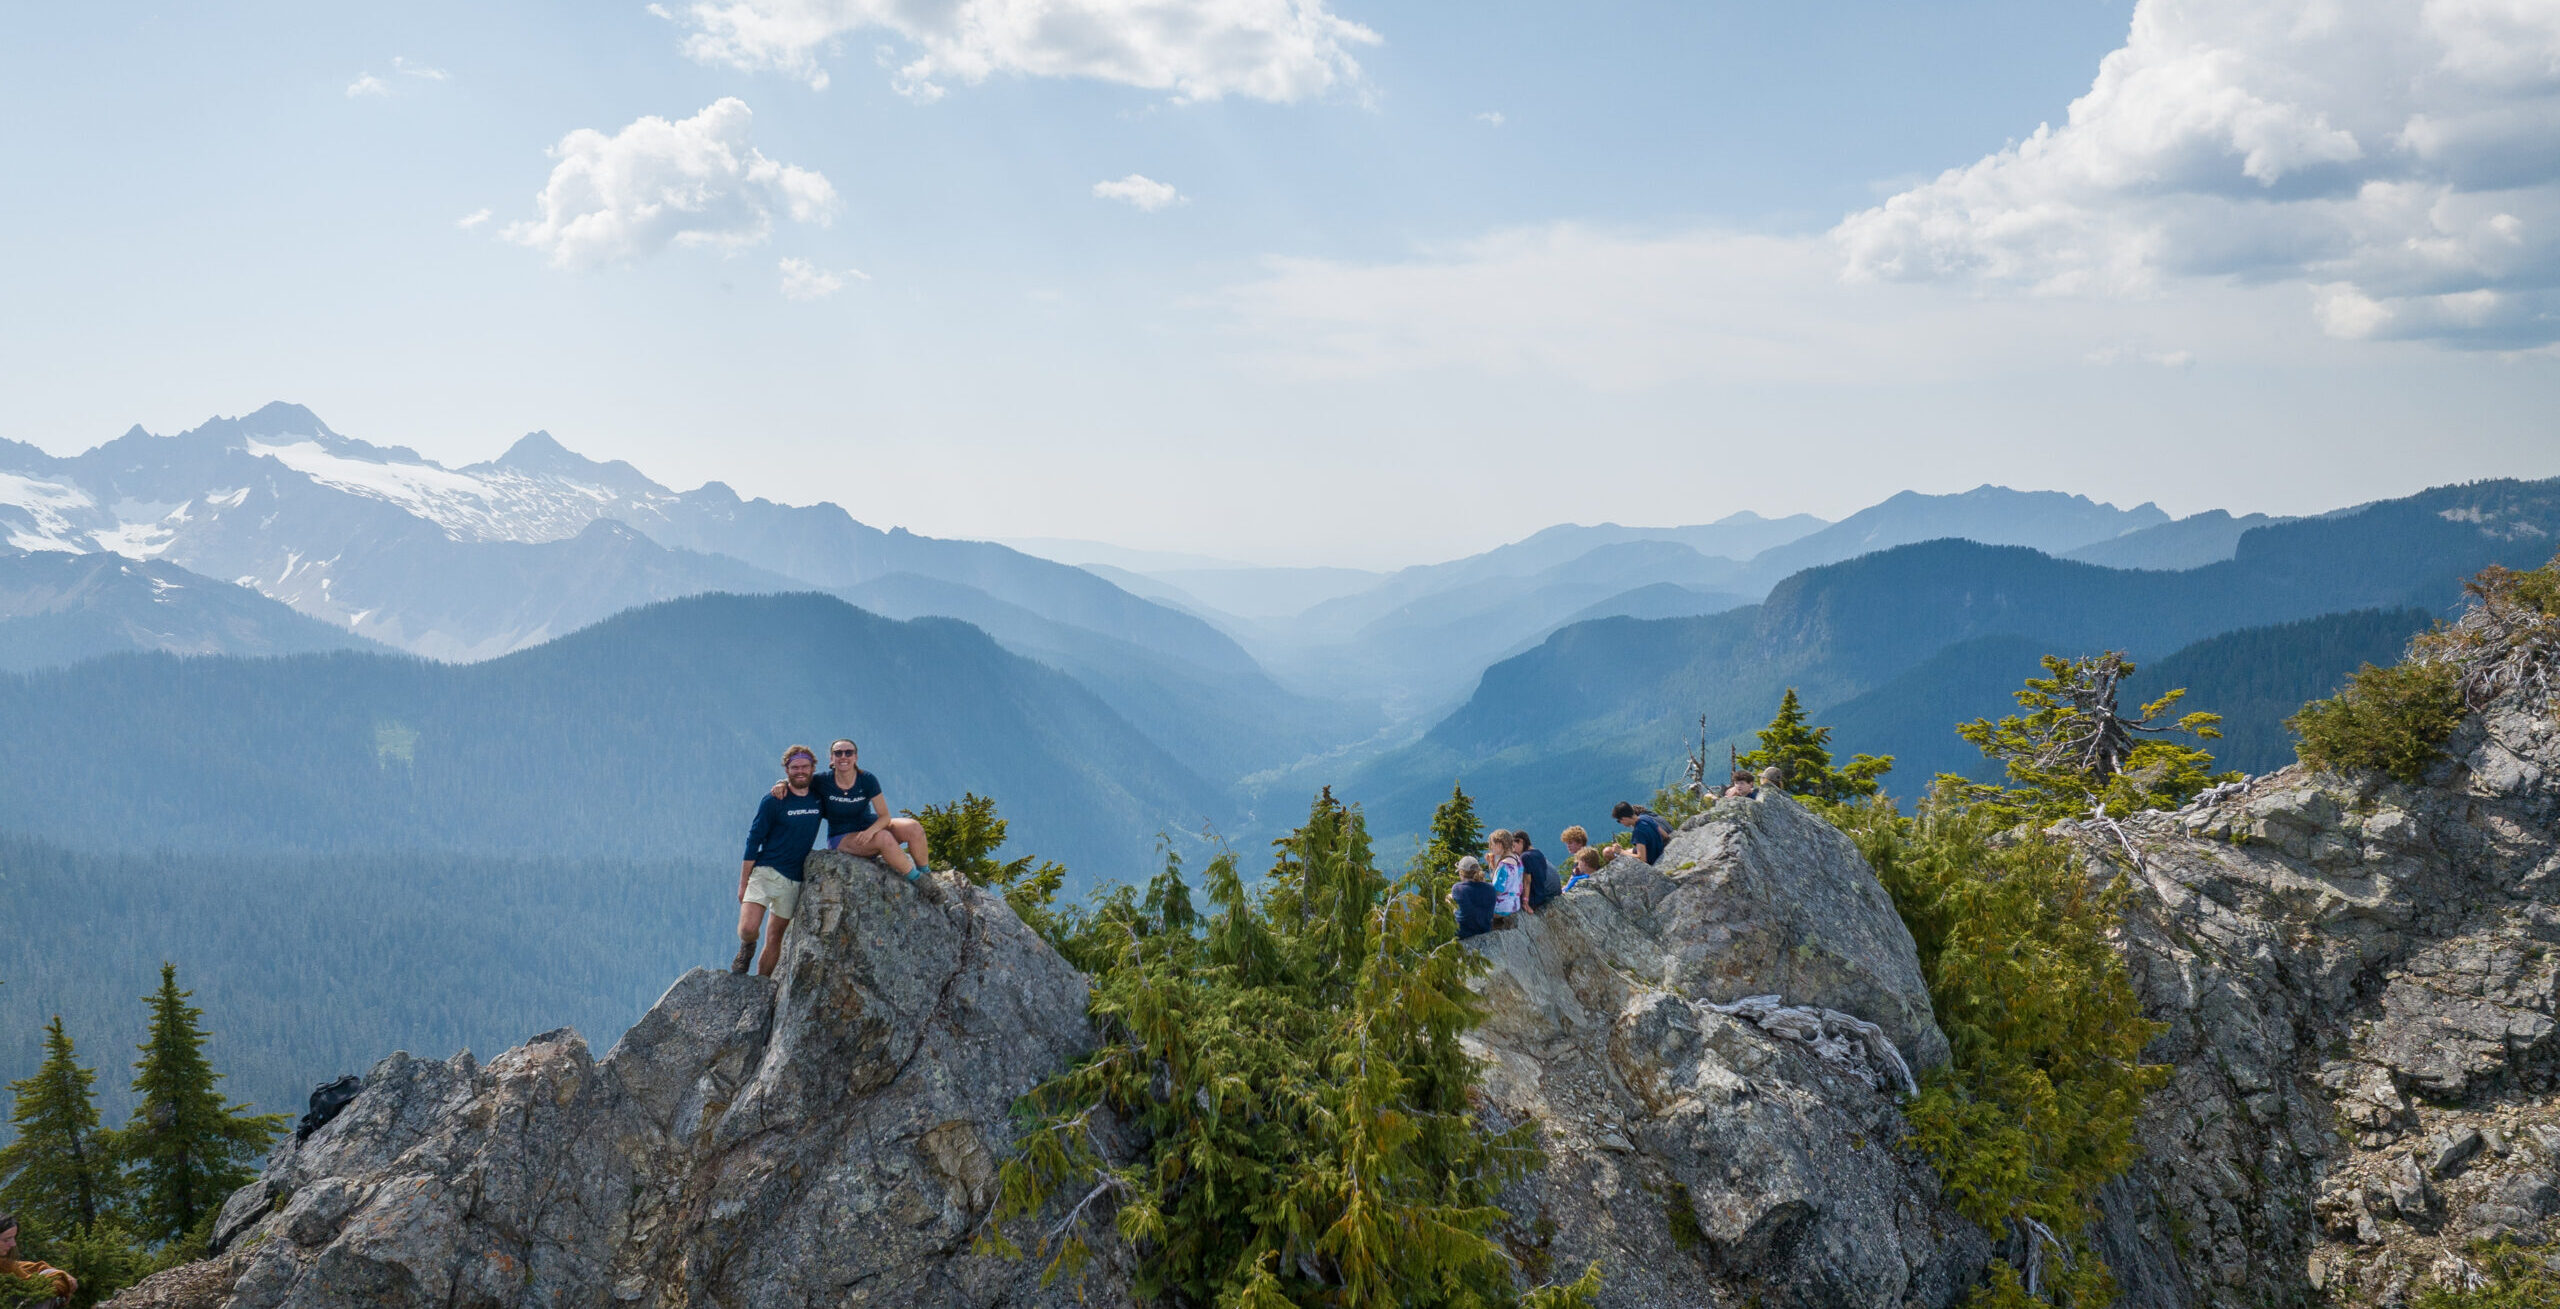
925 886
746 956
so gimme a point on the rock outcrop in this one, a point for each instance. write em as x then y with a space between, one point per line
828 1137
1704 1156
2359 978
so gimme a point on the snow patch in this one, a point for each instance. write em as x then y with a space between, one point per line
44 505
142 531
497 505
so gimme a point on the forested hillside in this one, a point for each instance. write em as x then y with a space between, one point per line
648 736
2255 678
1588 717
309 966
57 607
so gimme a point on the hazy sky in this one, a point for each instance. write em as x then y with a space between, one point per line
1334 281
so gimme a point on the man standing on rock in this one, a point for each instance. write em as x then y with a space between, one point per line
778 844
1650 833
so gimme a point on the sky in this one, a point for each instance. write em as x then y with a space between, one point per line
1312 281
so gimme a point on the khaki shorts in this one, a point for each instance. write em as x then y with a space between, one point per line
778 894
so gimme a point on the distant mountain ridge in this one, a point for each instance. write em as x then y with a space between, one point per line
1589 715
1421 637
322 508
648 735
56 607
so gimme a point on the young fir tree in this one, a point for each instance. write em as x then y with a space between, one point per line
2072 754
1291 1062
59 1176
188 1150
2037 1110
966 834
1454 832
1802 755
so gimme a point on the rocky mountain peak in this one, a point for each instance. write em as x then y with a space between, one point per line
828 1136
2360 980
538 454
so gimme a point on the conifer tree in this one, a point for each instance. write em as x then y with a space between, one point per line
1801 753
2072 754
966 834
59 1176
2037 1110
1292 1062
188 1150
1454 832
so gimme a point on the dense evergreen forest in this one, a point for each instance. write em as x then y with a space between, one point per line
648 735
309 966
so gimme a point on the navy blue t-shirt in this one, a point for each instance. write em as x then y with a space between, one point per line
1542 878
1651 834
848 807
786 826
1475 908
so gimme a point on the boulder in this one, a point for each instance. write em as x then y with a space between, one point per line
826 1137
1765 897
1709 1152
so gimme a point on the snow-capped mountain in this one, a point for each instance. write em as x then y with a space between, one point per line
450 563
391 545
473 562
56 608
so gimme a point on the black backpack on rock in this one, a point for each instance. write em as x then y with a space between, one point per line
327 1100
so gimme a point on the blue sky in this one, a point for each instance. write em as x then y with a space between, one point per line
1428 277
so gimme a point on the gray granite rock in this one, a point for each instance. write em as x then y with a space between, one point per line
2359 981
827 1137
1698 1157
1767 898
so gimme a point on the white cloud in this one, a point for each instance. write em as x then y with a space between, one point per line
419 71
655 183
803 280
1142 191
2399 155
368 84
471 220
1277 50
1493 117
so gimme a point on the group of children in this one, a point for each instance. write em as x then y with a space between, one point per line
1513 878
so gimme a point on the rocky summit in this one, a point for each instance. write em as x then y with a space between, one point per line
1703 1148
2357 976
2359 980
827 1137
